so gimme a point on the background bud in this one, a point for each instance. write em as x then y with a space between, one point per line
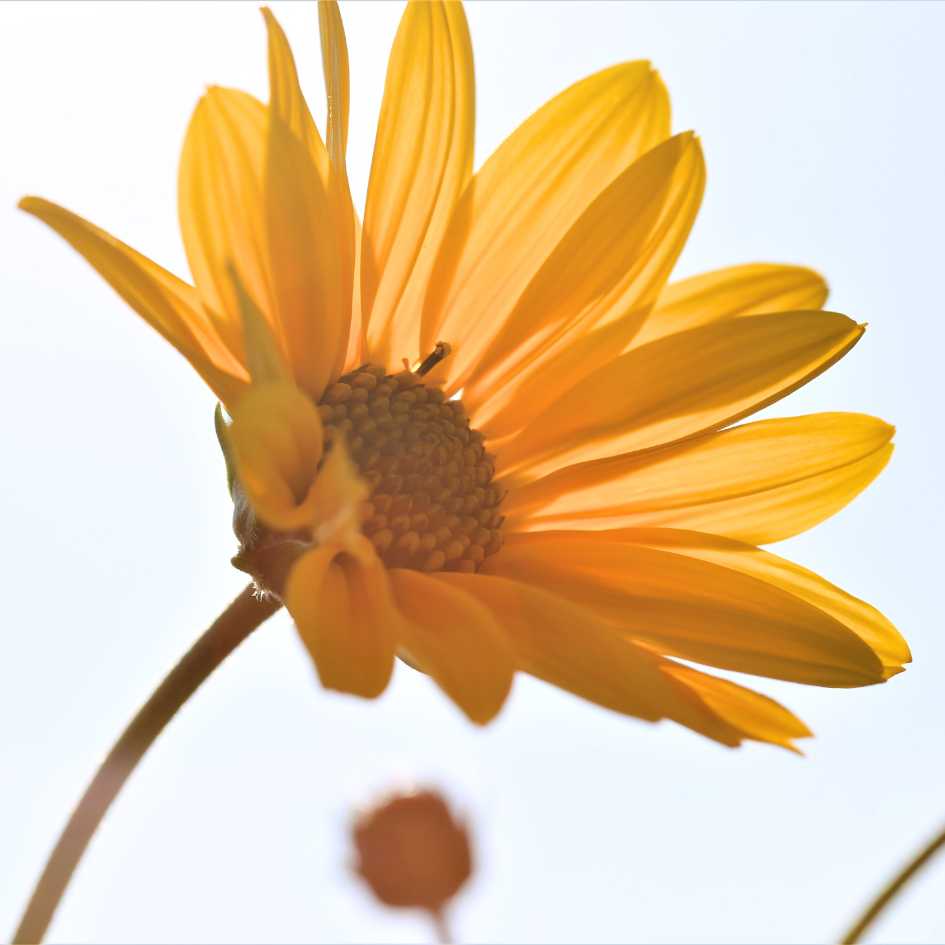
412 851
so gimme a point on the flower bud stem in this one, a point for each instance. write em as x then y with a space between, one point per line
236 623
443 934
892 888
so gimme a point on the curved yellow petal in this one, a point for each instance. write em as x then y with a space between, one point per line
693 609
608 269
754 715
337 83
678 386
330 199
865 621
337 497
276 439
264 359
528 195
759 482
286 98
422 162
555 640
570 647
337 92
345 616
310 297
447 633
220 204
168 305
750 289
513 402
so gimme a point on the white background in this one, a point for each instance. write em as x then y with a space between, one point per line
823 136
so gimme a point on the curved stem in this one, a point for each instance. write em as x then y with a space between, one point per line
893 887
236 623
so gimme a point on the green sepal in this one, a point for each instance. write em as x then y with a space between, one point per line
220 425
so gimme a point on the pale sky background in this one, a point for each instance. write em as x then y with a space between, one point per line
822 130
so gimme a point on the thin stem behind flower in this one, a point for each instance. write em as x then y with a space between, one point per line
893 888
236 623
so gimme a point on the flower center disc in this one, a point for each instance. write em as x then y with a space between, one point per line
433 505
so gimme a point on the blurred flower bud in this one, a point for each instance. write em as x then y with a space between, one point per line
412 851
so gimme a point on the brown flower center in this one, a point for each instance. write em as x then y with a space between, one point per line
433 505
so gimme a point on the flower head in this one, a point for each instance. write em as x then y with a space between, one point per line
479 430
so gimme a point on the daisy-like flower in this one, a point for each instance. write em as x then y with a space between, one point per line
479 430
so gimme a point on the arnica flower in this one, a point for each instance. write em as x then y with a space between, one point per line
478 430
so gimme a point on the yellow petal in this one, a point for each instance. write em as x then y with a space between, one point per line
264 359
332 199
865 621
337 91
608 269
528 195
276 438
286 98
693 609
568 646
337 498
167 304
355 352
337 83
754 715
759 482
220 203
288 102
678 386
346 619
751 289
311 301
450 635
555 640
422 161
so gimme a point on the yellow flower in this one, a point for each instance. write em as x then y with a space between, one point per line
586 512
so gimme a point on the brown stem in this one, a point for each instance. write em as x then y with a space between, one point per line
442 928
893 887
236 623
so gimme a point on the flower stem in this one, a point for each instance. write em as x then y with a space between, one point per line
236 623
442 928
893 888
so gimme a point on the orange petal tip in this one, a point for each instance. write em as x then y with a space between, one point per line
29 203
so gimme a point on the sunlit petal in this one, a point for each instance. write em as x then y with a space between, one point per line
450 635
528 195
693 609
277 440
167 304
337 81
570 647
309 295
220 204
678 386
422 162
346 619
752 289
286 98
865 621
605 274
759 482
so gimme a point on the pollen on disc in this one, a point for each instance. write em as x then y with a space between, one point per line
433 504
